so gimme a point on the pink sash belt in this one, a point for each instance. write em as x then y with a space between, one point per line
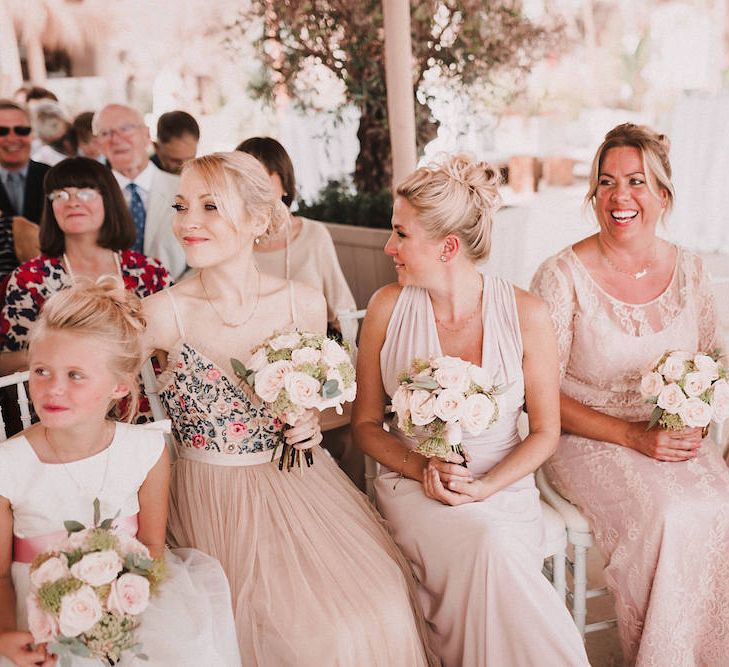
25 549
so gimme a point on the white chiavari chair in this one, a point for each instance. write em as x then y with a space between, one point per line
158 412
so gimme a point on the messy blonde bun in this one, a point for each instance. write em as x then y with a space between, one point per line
106 311
241 190
458 196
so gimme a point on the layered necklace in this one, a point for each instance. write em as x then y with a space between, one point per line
233 323
635 275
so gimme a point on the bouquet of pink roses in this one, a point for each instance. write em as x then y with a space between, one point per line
87 593
689 390
294 372
444 397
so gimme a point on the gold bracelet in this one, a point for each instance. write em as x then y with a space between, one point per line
402 470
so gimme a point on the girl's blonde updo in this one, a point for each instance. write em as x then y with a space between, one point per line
653 148
458 196
241 189
107 312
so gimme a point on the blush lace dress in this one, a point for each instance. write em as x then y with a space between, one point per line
663 528
479 565
315 577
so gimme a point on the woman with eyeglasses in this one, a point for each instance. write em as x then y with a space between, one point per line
86 230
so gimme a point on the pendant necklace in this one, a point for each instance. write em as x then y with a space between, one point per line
635 275
233 323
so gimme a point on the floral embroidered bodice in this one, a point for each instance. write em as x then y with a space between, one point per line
211 413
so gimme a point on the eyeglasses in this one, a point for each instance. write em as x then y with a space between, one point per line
125 131
84 195
20 130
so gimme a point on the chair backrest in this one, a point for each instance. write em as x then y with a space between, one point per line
349 321
151 389
19 380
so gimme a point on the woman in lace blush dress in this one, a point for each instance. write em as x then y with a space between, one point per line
474 534
315 578
658 500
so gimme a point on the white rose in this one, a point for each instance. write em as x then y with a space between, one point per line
696 383
422 407
673 367
131 545
478 411
285 341
447 362
449 405
706 364
98 568
42 625
453 434
257 361
302 389
77 540
80 611
333 353
129 595
453 376
671 398
401 405
480 376
52 570
305 355
720 400
695 413
350 393
651 384
270 379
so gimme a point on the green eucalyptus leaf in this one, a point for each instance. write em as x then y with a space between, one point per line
238 368
97 511
106 524
655 417
428 384
73 526
331 389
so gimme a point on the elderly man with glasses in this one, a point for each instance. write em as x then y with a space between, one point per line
149 192
21 188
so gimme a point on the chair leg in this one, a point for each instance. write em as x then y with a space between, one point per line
579 596
558 574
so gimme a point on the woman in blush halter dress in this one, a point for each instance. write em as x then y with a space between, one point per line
473 534
316 579
658 500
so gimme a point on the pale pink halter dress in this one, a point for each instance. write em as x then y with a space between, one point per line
316 580
663 528
479 565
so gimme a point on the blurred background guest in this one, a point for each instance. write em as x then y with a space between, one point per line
21 188
148 191
177 137
86 231
55 132
87 144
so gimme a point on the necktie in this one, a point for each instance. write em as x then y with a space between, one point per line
138 215
16 191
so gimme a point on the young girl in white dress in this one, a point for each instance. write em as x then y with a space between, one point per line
85 356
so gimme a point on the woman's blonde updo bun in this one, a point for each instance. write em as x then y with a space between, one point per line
241 189
457 196
107 312
653 148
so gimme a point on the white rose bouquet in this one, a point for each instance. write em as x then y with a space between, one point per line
689 390
444 397
86 593
294 372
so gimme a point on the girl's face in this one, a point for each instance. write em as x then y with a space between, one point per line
71 384
204 235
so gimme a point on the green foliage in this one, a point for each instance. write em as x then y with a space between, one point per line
51 594
338 202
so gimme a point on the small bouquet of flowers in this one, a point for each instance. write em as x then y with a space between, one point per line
86 594
293 372
444 397
689 390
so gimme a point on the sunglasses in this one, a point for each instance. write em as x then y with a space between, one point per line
84 195
20 130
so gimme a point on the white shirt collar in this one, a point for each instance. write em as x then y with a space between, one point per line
143 180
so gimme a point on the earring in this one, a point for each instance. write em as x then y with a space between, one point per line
443 258
257 240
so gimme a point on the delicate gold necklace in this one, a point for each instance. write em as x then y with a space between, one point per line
462 323
72 275
635 275
81 488
229 323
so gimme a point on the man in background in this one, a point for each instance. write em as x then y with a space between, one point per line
177 137
149 191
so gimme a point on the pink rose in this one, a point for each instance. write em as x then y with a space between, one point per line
236 431
80 611
51 570
671 398
333 353
198 441
131 545
478 412
213 375
453 376
98 568
696 383
422 407
129 594
257 361
454 434
303 390
284 341
651 384
706 364
449 405
305 355
673 367
401 405
720 400
42 625
270 380
695 413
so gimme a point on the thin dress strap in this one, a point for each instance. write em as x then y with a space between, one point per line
292 302
176 311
